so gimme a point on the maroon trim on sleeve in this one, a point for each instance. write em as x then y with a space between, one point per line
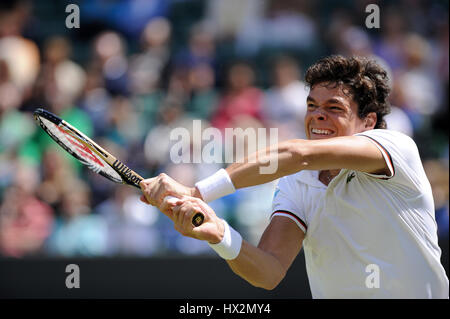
388 155
291 214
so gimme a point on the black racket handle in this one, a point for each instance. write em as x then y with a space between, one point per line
198 218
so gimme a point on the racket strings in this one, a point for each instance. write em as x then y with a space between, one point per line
81 151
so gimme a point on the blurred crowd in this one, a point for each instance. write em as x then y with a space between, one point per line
135 70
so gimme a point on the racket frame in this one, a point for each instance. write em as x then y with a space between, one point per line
128 176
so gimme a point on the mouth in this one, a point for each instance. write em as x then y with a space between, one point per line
321 132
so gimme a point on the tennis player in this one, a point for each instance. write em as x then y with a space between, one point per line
354 195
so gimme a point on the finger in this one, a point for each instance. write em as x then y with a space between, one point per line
181 213
207 211
166 209
175 213
187 200
187 218
163 182
199 207
168 204
142 184
143 199
148 188
160 193
200 231
154 195
145 183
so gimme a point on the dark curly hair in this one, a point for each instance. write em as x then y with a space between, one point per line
367 81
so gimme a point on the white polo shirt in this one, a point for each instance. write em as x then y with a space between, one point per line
368 236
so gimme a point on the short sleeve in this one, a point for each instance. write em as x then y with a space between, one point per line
400 153
284 204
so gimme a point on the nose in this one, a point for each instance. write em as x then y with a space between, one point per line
319 115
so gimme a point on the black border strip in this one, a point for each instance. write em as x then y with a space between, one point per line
290 214
387 152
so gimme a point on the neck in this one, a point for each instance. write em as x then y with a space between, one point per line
326 176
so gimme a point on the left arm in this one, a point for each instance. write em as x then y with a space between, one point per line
351 152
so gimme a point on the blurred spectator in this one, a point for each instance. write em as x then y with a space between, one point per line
22 58
241 97
19 65
146 69
201 48
390 45
193 66
228 18
63 79
149 70
351 40
57 170
77 231
130 223
124 126
418 83
16 127
110 59
25 221
285 103
438 175
10 117
20 54
441 53
130 17
398 120
252 215
14 15
285 25
95 101
204 98
158 141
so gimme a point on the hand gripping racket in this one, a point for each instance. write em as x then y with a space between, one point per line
92 155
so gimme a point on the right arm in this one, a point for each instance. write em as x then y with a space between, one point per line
263 266
266 265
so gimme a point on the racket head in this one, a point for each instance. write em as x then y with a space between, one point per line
77 144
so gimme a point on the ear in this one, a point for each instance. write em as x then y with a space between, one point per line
370 121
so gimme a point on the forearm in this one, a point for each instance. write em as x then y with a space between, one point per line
351 152
285 159
258 168
258 267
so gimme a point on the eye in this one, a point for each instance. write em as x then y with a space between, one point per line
335 108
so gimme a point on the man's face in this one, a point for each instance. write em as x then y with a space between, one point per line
331 112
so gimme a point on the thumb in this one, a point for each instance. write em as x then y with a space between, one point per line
206 232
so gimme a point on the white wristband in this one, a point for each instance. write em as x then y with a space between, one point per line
215 186
231 243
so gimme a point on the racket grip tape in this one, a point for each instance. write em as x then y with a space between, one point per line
198 217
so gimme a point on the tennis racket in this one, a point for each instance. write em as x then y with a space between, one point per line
92 155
